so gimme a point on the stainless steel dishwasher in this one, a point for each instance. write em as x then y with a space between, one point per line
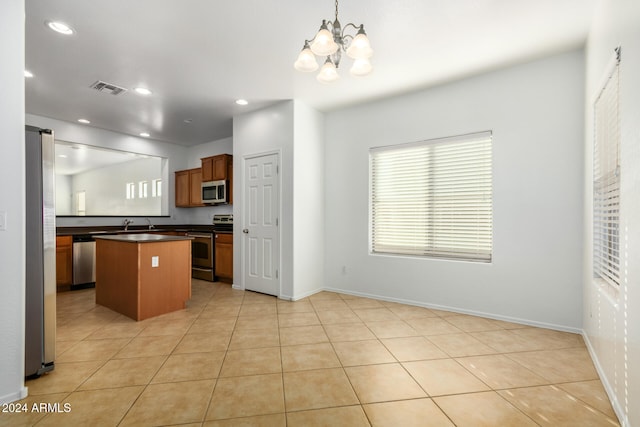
84 260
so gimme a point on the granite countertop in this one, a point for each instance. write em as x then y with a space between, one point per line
142 238
110 230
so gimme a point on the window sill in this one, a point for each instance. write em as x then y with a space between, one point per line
610 292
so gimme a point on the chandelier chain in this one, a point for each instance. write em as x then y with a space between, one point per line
336 10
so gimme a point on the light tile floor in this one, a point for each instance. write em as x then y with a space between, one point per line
235 358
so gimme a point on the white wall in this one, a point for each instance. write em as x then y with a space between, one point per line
268 130
612 322
12 202
105 188
63 195
535 111
73 132
295 132
208 149
308 200
179 158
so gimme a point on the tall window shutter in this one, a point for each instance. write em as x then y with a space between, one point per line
606 181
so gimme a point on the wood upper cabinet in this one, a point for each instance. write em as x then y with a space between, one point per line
189 182
195 185
230 181
182 189
189 188
216 167
224 256
64 261
219 167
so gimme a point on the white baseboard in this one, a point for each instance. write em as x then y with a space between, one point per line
521 321
617 408
306 294
12 397
622 417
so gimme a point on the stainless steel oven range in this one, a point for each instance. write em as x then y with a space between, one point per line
202 260
223 222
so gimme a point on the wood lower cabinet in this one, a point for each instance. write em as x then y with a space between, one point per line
143 275
224 256
189 188
64 262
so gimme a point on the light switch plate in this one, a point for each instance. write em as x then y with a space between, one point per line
3 220
155 261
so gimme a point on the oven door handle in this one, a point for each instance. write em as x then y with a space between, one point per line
204 235
200 269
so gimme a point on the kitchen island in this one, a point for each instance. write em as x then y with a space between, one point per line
143 275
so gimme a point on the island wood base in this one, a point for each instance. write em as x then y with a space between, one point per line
127 282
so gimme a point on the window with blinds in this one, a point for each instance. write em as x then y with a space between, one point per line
606 182
433 198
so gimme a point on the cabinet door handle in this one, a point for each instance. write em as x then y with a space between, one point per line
245 230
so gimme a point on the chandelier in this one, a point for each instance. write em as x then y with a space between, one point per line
330 42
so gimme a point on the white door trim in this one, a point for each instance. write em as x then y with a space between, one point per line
245 205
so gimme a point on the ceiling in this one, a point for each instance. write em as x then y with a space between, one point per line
198 56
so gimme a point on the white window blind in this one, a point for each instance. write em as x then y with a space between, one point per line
433 198
606 182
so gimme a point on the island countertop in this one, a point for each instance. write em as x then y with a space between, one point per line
142 237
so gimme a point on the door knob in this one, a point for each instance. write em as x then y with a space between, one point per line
245 230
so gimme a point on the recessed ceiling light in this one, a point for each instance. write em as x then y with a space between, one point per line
85 121
64 156
187 121
143 91
28 74
145 134
242 102
59 27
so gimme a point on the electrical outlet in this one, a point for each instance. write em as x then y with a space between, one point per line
155 261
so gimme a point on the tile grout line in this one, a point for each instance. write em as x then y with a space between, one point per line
211 297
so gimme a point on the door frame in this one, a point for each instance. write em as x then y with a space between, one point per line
243 243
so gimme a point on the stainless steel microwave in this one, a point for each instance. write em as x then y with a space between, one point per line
214 192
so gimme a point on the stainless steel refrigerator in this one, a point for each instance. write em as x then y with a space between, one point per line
40 325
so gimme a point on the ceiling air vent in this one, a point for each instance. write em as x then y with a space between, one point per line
105 87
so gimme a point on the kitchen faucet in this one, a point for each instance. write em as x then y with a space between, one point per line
151 227
126 223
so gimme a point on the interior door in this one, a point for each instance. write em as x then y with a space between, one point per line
261 215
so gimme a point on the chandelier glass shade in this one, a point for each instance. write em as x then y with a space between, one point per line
306 60
330 42
328 73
